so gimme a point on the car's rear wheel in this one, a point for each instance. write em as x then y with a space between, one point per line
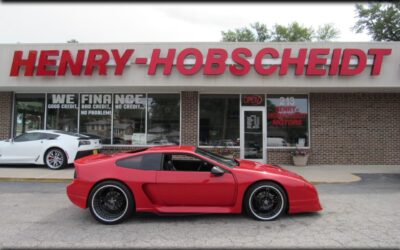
111 202
265 200
55 159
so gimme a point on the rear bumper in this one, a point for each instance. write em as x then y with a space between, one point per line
84 153
75 194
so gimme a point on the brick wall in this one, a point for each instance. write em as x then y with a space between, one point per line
355 128
279 156
190 117
5 114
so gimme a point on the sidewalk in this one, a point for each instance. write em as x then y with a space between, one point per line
313 173
340 173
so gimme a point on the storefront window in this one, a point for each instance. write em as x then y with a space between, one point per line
29 112
163 119
95 116
219 120
62 112
129 119
287 121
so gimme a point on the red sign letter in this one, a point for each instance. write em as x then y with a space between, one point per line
45 61
298 61
198 57
362 62
243 66
215 65
314 60
100 63
28 63
335 60
378 57
66 60
258 61
121 61
156 60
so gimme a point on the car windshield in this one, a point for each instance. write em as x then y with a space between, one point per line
218 158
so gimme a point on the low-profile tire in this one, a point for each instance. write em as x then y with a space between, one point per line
265 201
111 202
55 159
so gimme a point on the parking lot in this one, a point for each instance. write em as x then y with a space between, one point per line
358 214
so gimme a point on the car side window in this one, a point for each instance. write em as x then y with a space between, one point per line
48 136
143 162
28 137
185 162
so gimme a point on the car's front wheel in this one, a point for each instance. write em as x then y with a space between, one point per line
55 159
265 200
111 202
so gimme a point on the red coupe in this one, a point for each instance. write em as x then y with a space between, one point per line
186 179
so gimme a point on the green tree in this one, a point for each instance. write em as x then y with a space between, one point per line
326 32
293 32
380 20
238 35
262 32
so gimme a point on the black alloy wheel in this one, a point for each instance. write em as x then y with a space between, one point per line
111 202
265 201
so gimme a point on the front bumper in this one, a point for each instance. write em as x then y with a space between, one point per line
304 206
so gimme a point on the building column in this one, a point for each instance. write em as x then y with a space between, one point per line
189 117
6 102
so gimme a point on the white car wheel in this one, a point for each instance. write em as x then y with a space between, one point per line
55 158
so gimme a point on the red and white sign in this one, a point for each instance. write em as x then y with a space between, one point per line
190 61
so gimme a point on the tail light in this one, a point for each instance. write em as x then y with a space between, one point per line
83 142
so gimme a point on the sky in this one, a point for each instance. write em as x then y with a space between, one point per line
156 22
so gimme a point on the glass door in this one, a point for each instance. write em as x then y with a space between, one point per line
252 134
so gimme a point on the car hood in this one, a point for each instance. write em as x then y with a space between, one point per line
260 167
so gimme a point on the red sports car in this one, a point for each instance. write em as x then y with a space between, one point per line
186 179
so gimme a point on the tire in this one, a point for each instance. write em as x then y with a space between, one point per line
111 202
55 159
265 201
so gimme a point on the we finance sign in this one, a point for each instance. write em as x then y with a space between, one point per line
190 61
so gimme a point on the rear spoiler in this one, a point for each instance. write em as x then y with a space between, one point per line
87 137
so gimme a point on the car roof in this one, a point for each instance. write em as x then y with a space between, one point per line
56 132
171 148
40 131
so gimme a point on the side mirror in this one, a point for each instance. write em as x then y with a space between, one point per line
217 171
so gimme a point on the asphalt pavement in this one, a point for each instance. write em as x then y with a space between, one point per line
356 214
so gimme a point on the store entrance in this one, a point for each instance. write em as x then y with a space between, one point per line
253 133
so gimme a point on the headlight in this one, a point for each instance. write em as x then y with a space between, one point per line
83 142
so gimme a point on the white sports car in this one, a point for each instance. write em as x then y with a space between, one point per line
53 148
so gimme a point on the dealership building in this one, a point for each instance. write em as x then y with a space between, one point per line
259 101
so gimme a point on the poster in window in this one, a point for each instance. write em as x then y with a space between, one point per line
96 104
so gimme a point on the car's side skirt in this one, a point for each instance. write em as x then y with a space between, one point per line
201 210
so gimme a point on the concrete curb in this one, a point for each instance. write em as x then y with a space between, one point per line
40 180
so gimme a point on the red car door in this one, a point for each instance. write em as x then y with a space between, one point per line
190 187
